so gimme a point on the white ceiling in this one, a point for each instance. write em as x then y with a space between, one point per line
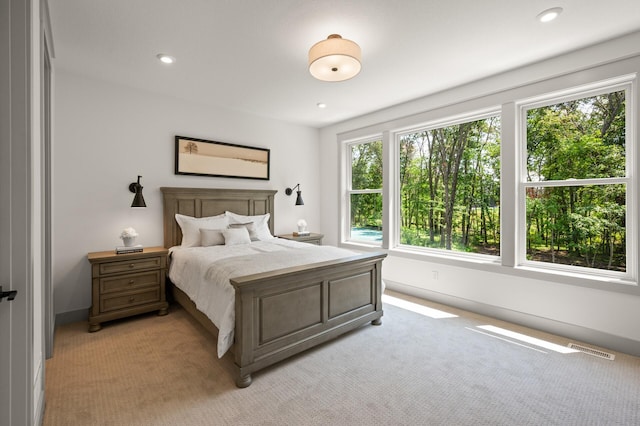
251 55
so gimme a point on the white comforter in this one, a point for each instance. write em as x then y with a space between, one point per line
203 273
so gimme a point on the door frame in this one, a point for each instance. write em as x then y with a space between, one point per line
47 54
16 216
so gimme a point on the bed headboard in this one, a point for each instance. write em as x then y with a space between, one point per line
203 202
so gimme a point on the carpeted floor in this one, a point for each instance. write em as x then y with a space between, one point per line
412 370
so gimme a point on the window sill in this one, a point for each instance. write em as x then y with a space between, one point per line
568 275
492 265
363 246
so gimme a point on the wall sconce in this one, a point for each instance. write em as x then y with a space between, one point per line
138 199
289 191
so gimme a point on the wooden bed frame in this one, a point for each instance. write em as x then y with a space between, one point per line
284 312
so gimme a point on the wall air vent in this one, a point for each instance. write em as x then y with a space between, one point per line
591 351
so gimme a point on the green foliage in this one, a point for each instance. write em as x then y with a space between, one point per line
577 140
450 187
366 173
366 165
579 224
449 181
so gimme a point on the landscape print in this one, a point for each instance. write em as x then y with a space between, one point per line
210 158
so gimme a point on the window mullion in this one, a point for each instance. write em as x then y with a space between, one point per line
511 206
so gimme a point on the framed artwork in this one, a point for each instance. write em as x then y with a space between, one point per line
210 158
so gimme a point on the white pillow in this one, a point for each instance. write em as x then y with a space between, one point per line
251 227
260 221
234 236
191 226
211 237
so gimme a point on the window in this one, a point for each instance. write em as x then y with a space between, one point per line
365 192
449 179
575 183
534 181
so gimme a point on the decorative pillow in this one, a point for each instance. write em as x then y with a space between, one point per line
211 237
235 236
261 223
251 227
191 226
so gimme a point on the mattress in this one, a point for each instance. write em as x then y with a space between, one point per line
204 273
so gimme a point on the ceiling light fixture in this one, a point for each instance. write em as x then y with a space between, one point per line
549 14
322 105
334 59
165 59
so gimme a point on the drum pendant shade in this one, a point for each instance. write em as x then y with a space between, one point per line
334 59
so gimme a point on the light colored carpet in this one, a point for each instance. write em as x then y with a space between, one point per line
412 370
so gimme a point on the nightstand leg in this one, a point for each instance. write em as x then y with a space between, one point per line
163 311
94 327
244 381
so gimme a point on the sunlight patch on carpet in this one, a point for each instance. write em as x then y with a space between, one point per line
493 336
528 339
414 307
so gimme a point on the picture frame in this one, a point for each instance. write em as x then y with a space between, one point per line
201 157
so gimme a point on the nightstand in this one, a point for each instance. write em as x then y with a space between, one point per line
127 284
311 238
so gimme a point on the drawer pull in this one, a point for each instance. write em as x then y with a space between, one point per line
132 299
131 265
131 282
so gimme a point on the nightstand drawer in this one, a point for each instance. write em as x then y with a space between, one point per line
129 282
128 300
130 265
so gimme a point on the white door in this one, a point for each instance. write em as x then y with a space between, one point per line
16 317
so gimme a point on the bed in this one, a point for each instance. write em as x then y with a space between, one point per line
282 312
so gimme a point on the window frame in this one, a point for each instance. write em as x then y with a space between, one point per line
623 83
452 120
345 233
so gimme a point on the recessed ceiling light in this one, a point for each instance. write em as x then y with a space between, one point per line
549 14
165 59
321 105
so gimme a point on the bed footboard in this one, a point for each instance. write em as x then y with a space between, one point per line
284 312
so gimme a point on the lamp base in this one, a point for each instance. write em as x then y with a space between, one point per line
129 241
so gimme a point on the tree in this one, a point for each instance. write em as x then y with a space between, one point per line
366 173
449 186
191 148
576 223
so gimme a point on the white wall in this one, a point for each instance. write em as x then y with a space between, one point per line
608 318
106 135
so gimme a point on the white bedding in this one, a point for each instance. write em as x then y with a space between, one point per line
203 273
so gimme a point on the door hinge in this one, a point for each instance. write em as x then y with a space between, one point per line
10 295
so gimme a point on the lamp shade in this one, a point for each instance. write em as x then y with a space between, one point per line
296 188
334 59
138 199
